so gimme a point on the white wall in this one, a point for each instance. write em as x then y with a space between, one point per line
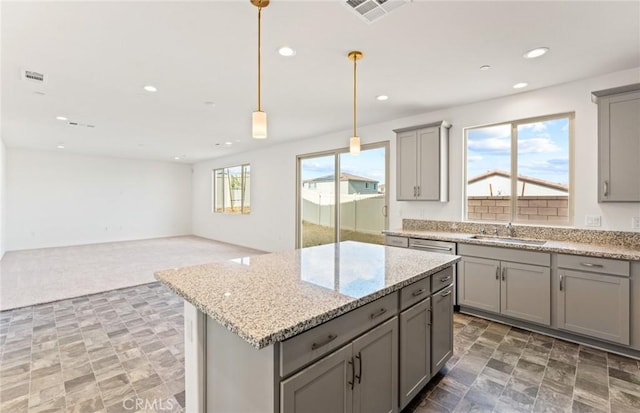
58 199
3 198
271 225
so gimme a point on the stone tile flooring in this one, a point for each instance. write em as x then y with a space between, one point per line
497 368
118 351
123 351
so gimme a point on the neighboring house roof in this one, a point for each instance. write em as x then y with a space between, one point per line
521 178
343 177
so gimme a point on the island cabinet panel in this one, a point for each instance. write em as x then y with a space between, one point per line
361 377
415 350
441 329
321 387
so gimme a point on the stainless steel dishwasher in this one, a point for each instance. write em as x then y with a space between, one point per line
440 247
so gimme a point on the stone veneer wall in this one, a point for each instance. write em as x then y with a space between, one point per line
530 208
585 236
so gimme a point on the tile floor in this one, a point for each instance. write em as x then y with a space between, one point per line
122 351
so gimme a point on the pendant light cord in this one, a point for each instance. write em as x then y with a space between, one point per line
354 96
259 47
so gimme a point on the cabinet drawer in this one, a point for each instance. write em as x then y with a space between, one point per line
592 264
442 279
506 254
396 241
304 348
415 292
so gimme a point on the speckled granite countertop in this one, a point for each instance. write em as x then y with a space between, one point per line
562 247
269 298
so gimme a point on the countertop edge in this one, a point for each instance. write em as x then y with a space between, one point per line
299 328
464 239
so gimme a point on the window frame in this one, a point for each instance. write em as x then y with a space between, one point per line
245 188
514 169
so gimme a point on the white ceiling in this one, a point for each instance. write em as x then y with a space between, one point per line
425 55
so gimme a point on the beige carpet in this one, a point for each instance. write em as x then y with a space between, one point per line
43 275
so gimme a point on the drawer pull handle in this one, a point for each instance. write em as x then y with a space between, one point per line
419 292
329 339
378 313
446 293
353 373
445 279
359 376
588 264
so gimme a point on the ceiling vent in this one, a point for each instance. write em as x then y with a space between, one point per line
372 10
32 76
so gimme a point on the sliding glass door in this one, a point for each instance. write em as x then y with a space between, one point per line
348 205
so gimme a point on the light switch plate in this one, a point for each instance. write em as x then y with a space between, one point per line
635 223
593 220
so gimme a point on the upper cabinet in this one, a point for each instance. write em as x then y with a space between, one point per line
618 143
422 168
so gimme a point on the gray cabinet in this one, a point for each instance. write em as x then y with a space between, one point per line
422 163
618 144
513 289
415 350
593 303
360 377
441 329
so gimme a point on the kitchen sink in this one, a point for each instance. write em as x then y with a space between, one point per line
508 240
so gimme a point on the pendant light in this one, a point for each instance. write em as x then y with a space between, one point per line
354 142
259 118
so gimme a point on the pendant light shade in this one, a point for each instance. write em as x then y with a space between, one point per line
354 142
259 118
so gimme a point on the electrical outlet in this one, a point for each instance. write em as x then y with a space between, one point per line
593 220
635 223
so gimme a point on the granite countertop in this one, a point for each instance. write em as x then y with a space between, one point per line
562 247
269 298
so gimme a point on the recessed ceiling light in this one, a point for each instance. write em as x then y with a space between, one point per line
485 67
228 143
150 88
286 51
61 118
382 97
520 85
60 146
177 158
537 52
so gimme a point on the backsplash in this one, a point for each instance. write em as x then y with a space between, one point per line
585 236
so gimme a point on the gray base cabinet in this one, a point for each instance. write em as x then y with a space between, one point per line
525 292
479 283
361 377
441 329
415 350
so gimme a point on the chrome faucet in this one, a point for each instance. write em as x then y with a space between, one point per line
510 230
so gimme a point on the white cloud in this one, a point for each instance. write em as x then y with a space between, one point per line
474 158
535 127
498 144
537 145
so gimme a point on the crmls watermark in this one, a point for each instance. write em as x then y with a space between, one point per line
158 405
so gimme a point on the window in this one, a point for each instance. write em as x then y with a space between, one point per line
520 171
231 188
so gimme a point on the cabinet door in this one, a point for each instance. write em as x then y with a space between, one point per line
594 305
429 164
441 329
479 283
415 350
375 356
406 166
322 387
619 147
526 292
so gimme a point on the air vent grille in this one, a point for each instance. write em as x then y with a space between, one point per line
372 10
33 76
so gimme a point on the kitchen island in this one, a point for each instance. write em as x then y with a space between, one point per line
319 326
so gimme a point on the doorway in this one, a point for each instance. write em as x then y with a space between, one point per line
348 205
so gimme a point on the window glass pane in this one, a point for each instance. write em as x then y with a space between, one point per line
231 190
543 171
317 200
489 173
218 195
246 189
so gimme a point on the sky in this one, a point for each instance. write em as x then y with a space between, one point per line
543 150
369 164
